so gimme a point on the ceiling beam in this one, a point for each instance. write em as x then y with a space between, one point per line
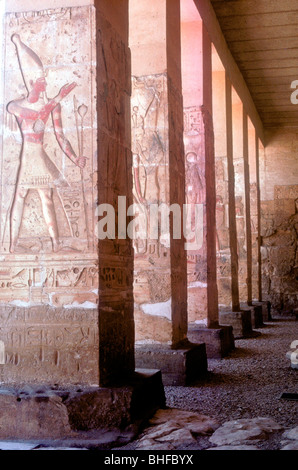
216 35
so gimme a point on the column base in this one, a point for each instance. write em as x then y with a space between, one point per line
49 413
219 341
179 367
240 321
266 309
256 315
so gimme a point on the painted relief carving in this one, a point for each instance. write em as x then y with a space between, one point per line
194 140
48 159
37 170
149 147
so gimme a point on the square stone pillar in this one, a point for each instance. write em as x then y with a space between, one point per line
158 170
201 189
50 277
66 295
256 227
200 170
238 319
252 158
160 285
243 207
223 249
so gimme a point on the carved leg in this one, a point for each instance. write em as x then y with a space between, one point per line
16 217
49 213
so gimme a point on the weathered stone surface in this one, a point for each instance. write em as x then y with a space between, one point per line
240 321
173 428
151 444
219 341
244 431
36 417
53 413
43 344
256 315
7 445
291 434
178 366
234 448
279 246
55 175
194 422
291 446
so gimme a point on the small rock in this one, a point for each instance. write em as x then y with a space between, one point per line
244 431
169 433
292 446
150 444
291 434
179 436
194 422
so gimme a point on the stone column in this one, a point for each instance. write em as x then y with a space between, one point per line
200 185
239 148
242 207
200 169
224 280
232 203
256 310
160 291
256 224
238 319
252 159
66 300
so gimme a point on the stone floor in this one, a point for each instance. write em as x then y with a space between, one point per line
238 406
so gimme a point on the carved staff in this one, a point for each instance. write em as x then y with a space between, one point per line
82 111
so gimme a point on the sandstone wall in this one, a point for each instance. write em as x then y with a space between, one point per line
279 210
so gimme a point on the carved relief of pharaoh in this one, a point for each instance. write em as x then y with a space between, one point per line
36 170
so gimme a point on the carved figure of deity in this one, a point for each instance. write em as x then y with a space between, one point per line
36 169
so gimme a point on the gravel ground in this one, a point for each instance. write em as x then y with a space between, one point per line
246 384
249 382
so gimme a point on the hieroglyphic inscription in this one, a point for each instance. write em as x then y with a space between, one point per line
46 341
47 162
149 146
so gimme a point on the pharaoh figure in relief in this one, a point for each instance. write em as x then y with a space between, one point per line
36 169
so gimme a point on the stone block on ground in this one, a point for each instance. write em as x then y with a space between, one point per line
178 366
256 315
266 310
51 413
219 341
240 321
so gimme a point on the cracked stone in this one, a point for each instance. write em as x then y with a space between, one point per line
194 422
291 446
291 434
244 431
